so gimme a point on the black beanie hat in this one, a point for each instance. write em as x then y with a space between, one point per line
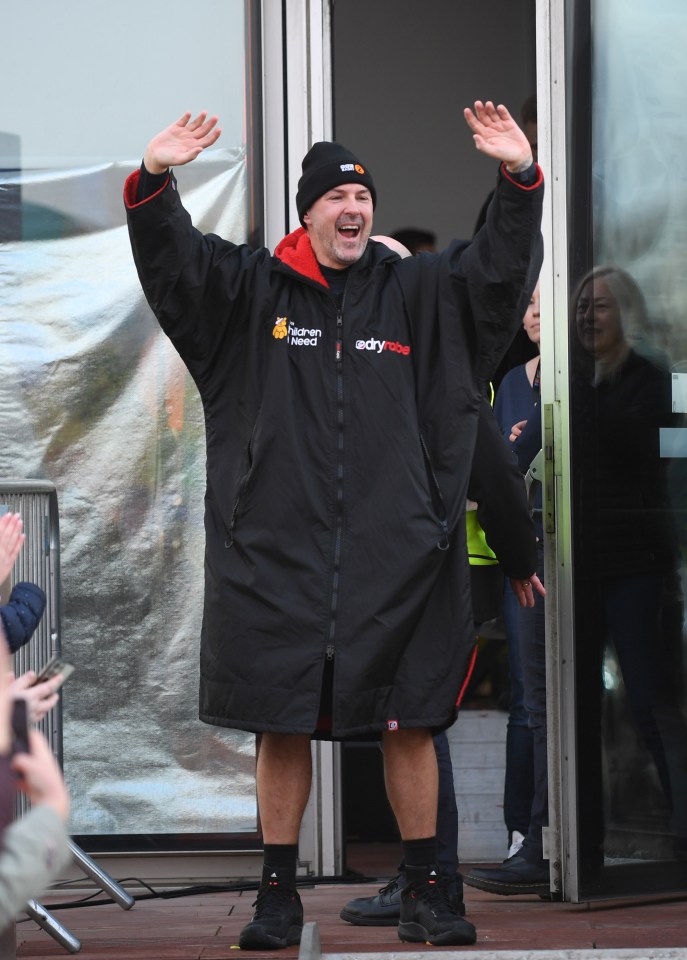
326 165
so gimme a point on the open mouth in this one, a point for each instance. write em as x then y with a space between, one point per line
349 231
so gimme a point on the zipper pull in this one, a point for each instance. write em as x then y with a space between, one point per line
339 327
330 651
444 543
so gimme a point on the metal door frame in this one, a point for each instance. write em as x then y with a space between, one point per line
297 87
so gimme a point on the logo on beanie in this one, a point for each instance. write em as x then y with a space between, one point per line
351 167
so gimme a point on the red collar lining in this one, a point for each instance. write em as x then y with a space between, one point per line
295 251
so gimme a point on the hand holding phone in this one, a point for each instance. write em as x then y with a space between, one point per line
51 669
20 726
40 777
41 690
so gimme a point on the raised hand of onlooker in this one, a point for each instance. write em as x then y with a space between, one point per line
11 539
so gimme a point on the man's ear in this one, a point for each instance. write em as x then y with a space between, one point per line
306 219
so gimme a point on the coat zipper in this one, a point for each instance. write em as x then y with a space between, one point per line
438 498
229 542
338 358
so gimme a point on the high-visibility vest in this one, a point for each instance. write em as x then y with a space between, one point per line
480 553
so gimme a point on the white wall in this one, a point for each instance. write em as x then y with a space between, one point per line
403 72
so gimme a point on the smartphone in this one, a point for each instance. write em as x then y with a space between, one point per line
20 726
52 668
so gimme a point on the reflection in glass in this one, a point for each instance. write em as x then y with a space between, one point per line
632 735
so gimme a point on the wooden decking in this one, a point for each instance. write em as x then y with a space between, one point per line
206 927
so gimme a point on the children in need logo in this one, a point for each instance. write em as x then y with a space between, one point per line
308 337
296 336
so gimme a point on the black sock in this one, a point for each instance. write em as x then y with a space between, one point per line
420 858
280 859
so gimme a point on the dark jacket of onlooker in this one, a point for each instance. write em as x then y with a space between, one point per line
22 614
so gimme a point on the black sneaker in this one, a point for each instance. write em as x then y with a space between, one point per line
428 915
278 919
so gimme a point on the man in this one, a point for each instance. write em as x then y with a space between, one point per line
341 387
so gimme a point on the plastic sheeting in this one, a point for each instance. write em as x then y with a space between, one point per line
94 398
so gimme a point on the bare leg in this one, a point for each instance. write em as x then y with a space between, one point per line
284 773
411 777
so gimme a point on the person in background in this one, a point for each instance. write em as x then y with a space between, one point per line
414 239
35 848
516 402
21 612
626 547
23 616
526 805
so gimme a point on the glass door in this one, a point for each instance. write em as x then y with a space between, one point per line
627 340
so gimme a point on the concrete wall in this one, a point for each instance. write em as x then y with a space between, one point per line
403 72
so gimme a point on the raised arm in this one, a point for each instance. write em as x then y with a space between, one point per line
497 135
181 142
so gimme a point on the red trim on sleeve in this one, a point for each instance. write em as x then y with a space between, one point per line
131 191
530 186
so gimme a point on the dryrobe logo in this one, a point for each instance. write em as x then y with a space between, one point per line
382 346
351 167
295 336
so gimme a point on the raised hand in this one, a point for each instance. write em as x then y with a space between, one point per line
181 142
497 135
11 539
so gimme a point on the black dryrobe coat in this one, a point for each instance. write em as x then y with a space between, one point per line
339 444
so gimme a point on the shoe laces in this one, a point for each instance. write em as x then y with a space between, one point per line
391 886
273 898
